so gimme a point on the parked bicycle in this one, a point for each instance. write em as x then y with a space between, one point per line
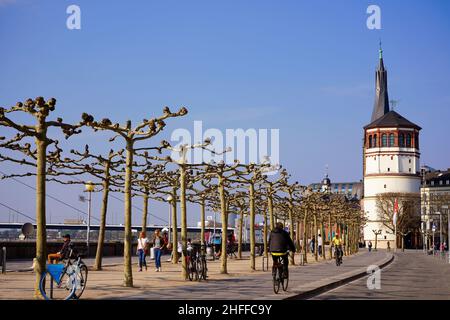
65 280
202 267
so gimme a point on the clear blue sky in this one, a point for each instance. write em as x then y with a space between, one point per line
305 67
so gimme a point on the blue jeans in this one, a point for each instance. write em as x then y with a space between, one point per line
142 261
157 252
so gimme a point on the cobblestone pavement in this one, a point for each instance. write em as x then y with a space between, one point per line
412 275
239 283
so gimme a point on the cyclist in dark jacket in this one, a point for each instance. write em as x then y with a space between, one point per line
279 244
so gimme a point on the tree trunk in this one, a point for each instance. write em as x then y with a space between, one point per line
297 240
128 273
224 213
316 254
252 227
145 210
305 238
241 227
291 229
174 227
202 221
270 207
403 243
104 210
322 228
266 229
330 231
183 221
41 233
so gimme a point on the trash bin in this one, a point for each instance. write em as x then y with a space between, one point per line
152 253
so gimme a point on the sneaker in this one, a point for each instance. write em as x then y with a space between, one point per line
157 270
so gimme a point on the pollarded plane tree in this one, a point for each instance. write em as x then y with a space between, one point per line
408 217
183 167
251 175
222 174
171 180
241 207
293 192
199 193
34 140
102 169
146 130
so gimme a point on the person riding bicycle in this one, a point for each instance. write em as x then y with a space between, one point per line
336 242
66 249
279 244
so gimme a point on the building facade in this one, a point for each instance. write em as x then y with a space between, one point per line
435 204
391 159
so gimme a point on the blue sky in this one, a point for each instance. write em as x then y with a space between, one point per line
304 67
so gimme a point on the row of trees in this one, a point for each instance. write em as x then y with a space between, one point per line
151 172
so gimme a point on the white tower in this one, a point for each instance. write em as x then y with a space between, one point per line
391 158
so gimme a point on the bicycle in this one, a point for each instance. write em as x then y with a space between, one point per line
70 279
191 265
202 268
279 274
231 251
338 256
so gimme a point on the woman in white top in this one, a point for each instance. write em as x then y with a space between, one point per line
142 250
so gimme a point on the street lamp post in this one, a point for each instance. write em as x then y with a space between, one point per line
89 187
377 233
169 199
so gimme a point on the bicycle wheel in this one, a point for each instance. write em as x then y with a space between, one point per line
285 278
51 290
276 279
81 280
204 273
189 270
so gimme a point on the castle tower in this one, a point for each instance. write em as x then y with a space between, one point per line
391 157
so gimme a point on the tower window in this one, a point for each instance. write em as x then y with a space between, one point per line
391 140
385 186
416 141
389 169
374 140
409 160
392 157
409 169
384 140
401 140
370 141
408 140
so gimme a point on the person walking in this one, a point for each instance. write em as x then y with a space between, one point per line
319 244
158 245
142 250
388 246
370 246
312 244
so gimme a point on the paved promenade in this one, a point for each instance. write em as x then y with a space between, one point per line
413 275
240 283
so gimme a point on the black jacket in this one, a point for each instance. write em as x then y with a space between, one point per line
280 241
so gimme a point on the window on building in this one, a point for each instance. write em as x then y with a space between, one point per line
389 169
391 140
375 141
392 157
448 182
416 141
384 140
432 182
350 188
370 141
408 140
409 160
401 140
441 182
409 169
336 188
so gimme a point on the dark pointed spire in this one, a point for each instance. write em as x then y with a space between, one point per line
381 106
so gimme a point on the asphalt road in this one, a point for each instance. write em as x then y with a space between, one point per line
411 276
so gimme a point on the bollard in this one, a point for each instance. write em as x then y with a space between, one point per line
3 258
